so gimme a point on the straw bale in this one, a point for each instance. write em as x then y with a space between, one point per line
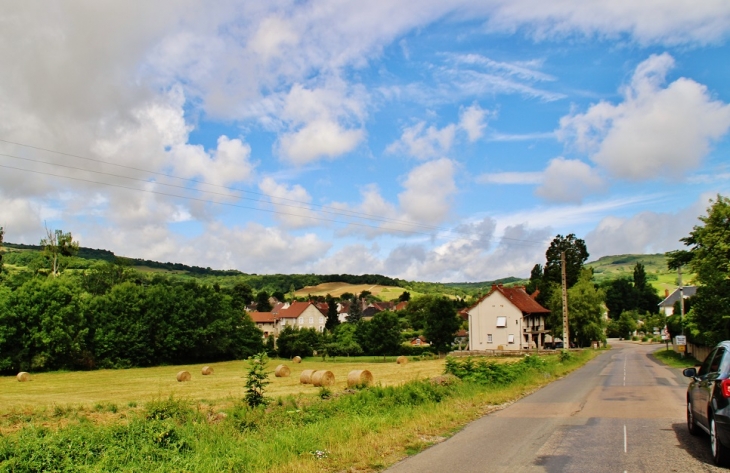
282 371
23 376
401 360
206 370
323 378
296 359
184 376
306 377
359 378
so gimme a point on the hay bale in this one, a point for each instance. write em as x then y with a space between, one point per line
23 376
296 359
306 377
359 378
184 376
401 360
282 371
206 370
323 378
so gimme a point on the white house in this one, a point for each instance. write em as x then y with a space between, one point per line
507 319
667 305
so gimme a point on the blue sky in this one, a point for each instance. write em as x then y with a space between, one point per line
430 140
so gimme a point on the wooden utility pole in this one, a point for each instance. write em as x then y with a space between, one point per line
681 298
566 334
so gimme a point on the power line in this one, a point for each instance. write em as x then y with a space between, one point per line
380 219
342 212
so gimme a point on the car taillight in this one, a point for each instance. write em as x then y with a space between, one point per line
725 388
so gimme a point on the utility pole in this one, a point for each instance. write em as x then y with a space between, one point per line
566 335
681 298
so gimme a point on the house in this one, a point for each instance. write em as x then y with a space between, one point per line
266 321
667 305
369 312
343 311
507 318
301 315
420 341
402 305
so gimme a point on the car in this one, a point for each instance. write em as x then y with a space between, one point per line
708 401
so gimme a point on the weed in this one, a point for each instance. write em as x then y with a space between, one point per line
325 392
169 408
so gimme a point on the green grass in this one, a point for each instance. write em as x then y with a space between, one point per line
674 359
362 431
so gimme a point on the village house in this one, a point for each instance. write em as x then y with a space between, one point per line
266 321
667 305
301 315
507 318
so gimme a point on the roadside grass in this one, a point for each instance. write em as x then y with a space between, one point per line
354 430
674 359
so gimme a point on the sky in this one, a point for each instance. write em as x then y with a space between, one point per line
428 140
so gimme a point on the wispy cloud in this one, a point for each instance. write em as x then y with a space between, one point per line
510 178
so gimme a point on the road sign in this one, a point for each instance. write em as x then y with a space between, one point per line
681 348
680 340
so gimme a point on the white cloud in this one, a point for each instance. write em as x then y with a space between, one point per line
424 143
473 120
510 178
429 189
650 22
290 203
318 139
645 232
567 180
656 131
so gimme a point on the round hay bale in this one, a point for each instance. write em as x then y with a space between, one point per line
359 378
206 370
184 376
323 378
23 376
282 371
306 377
401 360
296 359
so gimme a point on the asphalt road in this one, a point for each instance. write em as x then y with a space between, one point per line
621 412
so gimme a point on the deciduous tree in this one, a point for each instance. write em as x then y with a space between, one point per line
56 245
576 254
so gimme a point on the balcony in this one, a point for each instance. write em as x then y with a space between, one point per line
534 329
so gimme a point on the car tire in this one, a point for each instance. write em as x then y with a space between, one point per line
720 453
691 422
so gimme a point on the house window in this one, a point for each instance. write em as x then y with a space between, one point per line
301 320
321 320
501 321
311 320
510 338
489 338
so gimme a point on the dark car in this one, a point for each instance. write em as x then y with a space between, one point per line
707 401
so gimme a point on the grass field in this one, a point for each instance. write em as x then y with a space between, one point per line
355 431
144 384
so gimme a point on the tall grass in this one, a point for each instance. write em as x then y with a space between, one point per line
365 429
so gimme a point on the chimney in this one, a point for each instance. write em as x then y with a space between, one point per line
666 293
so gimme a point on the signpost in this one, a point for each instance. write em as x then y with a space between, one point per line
681 342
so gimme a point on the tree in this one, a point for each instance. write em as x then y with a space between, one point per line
332 317
344 341
241 295
2 233
627 324
585 311
262 302
355 313
709 258
646 298
441 323
380 336
404 297
575 255
57 245
619 297
256 381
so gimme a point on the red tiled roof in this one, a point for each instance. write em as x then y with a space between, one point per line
294 310
401 305
263 317
519 297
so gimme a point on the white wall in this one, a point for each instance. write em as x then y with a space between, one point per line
483 322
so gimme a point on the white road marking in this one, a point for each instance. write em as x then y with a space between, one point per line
625 442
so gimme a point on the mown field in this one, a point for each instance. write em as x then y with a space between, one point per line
140 385
334 430
336 289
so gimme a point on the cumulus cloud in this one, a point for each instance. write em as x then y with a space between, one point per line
424 143
429 189
645 232
656 131
473 121
569 180
290 203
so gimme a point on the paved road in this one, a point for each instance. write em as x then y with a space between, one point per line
622 412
